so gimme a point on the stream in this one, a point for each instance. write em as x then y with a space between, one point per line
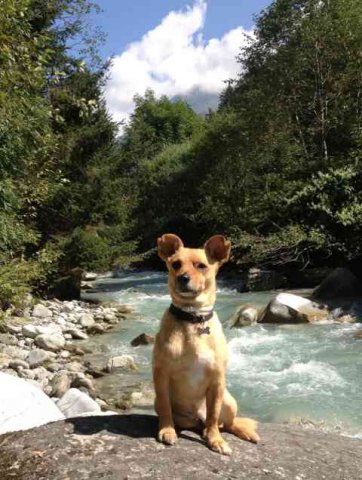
306 374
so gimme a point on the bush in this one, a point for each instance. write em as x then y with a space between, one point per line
86 249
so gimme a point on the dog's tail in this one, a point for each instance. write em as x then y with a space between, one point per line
244 428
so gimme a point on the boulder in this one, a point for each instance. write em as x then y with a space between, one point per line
289 308
30 331
76 333
124 308
86 320
68 287
143 339
13 351
17 363
96 329
245 315
121 361
41 311
14 329
8 339
23 406
89 276
60 385
84 382
52 342
75 403
340 283
117 447
37 357
111 318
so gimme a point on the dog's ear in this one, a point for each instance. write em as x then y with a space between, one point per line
217 249
168 244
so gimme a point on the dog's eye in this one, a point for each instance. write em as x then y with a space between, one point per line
201 266
176 265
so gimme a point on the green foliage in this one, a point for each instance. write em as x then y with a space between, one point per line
277 167
58 148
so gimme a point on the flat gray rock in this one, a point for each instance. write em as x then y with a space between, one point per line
121 447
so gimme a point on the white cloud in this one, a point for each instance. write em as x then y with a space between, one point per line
174 60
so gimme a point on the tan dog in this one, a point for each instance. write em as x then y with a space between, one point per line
190 352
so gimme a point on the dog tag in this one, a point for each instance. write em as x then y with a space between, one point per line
202 330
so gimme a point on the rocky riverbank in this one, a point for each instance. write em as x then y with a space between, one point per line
45 345
124 447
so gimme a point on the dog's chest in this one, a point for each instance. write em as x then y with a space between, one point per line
202 362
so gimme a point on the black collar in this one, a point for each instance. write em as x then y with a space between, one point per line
189 316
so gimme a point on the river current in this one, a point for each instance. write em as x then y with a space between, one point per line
309 374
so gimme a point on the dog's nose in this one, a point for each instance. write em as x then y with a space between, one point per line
183 279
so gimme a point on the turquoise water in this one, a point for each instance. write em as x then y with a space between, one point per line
310 374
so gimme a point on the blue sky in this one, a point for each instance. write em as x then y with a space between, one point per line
178 48
125 21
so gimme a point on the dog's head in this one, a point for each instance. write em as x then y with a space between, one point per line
192 271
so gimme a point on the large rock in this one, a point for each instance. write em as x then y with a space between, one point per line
60 385
90 276
24 406
76 333
143 339
341 283
37 357
121 361
245 315
52 342
289 308
32 331
123 446
75 403
86 320
41 311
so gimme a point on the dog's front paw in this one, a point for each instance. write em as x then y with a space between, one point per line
216 443
167 435
219 445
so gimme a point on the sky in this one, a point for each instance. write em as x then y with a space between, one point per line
180 48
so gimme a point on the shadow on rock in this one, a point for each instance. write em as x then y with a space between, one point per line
135 426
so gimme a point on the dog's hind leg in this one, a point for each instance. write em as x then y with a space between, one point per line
244 428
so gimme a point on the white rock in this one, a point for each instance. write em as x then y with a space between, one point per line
52 342
14 352
75 403
68 307
41 311
86 320
17 363
291 309
14 329
24 406
30 331
77 334
90 276
37 356
121 361
293 301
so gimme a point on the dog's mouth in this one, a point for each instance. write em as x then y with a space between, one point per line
188 294
187 291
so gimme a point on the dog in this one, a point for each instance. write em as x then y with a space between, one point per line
190 350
